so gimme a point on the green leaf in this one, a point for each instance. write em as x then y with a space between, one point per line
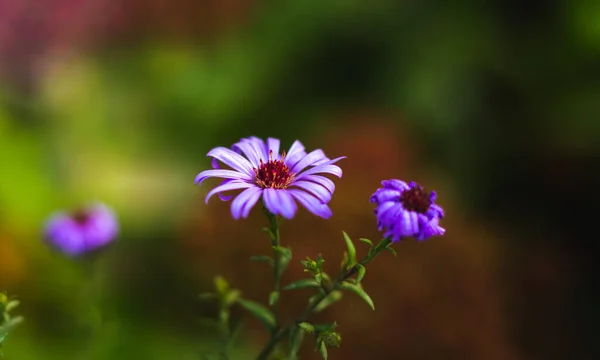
263 259
390 249
320 262
301 284
333 297
358 290
208 296
319 278
296 338
325 327
231 297
323 349
8 327
268 231
283 251
221 285
351 250
260 312
235 331
308 328
285 259
366 241
273 298
11 305
361 270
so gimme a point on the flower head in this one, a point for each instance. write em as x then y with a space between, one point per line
407 210
82 231
280 180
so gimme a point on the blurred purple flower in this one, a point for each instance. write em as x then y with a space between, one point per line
280 180
83 231
407 210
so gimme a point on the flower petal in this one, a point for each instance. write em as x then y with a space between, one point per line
395 184
314 189
429 229
296 148
232 159
244 202
218 173
321 180
311 203
252 152
279 202
408 223
64 234
312 157
383 195
231 185
322 169
273 145
261 147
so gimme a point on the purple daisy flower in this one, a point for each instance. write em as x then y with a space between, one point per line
279 179
407 210
83 231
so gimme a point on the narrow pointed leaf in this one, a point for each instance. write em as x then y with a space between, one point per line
231 297
208 296
319 278
333 297
361 271
11 305
390 249
358 290
351 250
301 284
268 231
323 350
263 259
296 338
308 328
260 312
366 241
284 261
273 298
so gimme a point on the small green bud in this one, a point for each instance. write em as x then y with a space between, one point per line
221 285
310 265
330 338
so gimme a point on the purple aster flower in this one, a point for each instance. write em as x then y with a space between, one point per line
280 180
407 210
83 231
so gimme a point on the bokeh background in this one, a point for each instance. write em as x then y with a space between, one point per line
493 104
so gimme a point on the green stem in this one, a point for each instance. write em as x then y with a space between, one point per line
275 243
283 332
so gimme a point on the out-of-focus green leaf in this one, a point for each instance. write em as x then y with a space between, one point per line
333 297
260 312
323 349
390 249
302 284
306 327
366 241
262 258
296 338
273 298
